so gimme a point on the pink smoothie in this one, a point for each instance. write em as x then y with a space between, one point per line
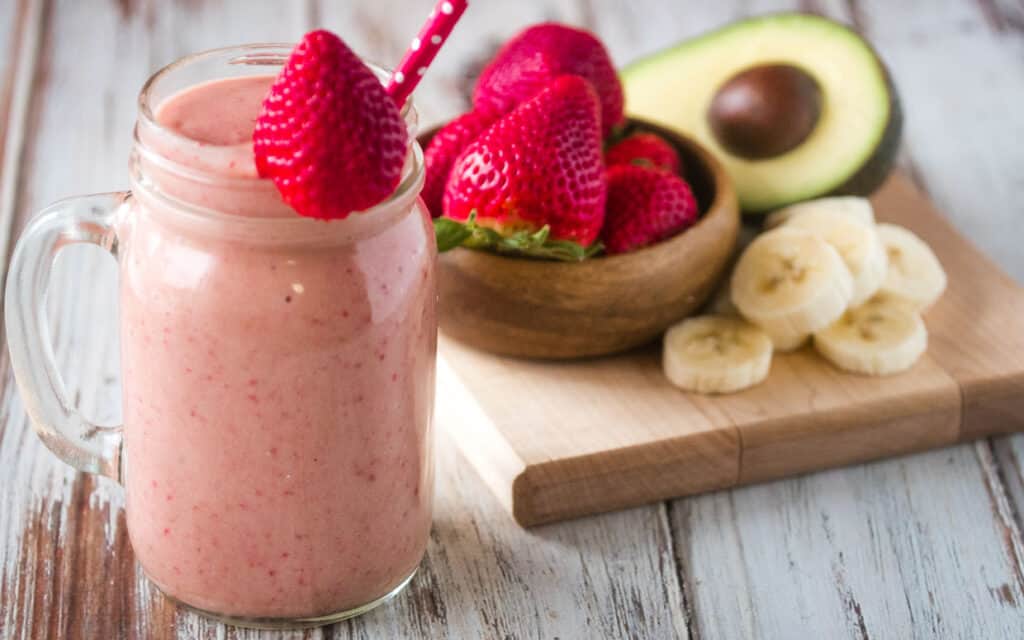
278 381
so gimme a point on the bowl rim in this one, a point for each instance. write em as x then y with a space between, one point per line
723 200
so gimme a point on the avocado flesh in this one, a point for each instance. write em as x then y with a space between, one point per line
854 143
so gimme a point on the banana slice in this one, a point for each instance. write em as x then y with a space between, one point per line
716 354
915 274
857 243
852 207
790 282
885 335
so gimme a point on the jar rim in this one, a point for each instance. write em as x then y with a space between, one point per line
266 55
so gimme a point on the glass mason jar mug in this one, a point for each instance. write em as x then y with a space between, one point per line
278 371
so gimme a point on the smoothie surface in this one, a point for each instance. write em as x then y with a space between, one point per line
221 112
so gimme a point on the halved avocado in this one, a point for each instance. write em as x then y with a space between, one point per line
796 106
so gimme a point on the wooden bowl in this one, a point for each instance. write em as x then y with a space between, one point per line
558 310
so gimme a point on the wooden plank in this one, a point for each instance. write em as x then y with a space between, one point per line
922 546
1008 453
173 32
13 37
10 44
636 29
20 33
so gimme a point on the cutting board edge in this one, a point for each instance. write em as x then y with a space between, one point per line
992 406
869 431
560 489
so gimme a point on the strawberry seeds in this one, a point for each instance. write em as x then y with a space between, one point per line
328 135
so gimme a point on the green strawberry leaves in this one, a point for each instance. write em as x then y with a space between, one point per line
536 244
451 233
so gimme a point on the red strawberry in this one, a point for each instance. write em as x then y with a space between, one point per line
328 135
645 206
531 60
644 149
444 148
539 165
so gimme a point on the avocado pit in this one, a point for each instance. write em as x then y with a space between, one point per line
765 111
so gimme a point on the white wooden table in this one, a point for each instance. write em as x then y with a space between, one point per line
925 546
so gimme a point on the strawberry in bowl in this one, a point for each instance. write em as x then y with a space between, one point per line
646 150
566 230
535 179
645 206
530 61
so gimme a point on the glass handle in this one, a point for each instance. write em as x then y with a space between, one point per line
76 440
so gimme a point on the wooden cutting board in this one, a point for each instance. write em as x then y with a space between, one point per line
559 440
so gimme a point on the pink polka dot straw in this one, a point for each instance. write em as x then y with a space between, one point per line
424 47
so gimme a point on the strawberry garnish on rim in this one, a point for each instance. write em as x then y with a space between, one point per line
328 135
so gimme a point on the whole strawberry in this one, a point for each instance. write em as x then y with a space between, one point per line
539 165
328 135
444 148
645 206
644 149
529 62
